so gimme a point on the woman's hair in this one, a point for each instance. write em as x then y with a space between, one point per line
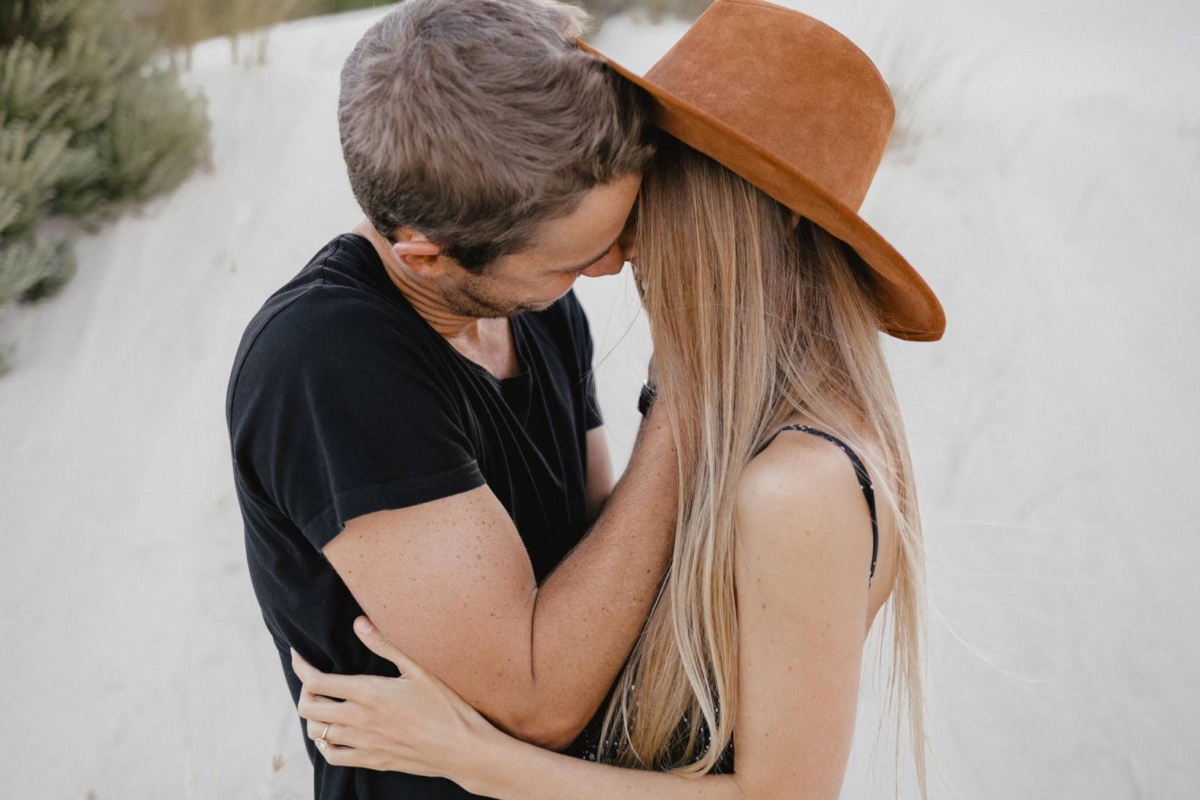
753 321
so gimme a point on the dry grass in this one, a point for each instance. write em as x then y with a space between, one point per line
182 23
915 57
601 10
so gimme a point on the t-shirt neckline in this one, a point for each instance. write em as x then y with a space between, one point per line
516 330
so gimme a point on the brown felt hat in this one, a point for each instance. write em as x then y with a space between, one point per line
798 110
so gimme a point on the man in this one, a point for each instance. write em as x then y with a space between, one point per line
412 418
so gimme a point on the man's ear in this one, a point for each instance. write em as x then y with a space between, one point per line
417 253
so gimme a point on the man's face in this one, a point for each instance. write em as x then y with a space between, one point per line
589 242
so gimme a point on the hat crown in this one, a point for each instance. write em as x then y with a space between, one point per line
829 113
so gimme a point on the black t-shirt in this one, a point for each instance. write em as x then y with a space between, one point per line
343 401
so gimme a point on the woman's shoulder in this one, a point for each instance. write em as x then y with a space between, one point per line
800 497
802 462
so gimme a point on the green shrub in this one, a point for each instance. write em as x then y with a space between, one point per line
91 119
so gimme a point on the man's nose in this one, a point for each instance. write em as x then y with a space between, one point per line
611 264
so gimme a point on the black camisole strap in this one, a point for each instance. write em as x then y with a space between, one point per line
864 481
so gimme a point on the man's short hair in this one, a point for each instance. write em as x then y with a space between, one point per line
473 121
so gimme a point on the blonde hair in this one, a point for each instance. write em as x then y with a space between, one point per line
753 322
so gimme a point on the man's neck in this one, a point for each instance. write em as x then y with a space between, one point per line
487 342
423 297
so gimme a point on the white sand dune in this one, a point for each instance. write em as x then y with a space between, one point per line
1045 179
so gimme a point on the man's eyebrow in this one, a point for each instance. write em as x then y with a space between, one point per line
594 260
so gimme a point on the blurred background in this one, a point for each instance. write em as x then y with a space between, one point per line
166 164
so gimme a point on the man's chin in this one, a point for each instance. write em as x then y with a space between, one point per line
514 311
535 307
477 307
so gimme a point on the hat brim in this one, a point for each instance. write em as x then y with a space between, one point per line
910 309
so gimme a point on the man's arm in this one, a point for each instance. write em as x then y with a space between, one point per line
600 478
450 583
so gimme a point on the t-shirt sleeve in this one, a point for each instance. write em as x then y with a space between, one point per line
581 335
336 412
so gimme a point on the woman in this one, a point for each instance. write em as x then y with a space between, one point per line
797 516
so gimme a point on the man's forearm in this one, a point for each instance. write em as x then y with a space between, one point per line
589 612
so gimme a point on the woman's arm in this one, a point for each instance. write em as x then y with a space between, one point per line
802 563
510 769
802 560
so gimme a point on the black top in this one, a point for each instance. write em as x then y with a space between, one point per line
343 401
725 765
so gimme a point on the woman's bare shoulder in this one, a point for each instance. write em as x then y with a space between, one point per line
800 498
